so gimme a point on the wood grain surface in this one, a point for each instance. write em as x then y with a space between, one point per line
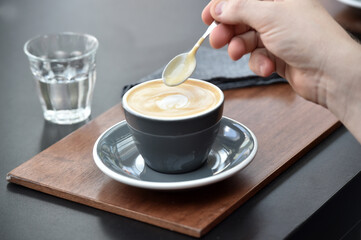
285 125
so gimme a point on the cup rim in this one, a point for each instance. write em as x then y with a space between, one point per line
90 52
129 109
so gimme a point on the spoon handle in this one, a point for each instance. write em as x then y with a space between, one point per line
210 29
200 41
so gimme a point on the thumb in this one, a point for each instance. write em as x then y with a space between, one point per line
235 12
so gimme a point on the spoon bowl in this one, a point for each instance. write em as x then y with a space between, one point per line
181 67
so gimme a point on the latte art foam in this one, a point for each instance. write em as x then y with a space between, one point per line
158 100
176 101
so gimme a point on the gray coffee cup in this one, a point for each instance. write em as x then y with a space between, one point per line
174 145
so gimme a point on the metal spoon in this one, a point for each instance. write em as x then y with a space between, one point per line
182 66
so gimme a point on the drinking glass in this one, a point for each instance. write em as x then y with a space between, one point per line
63 66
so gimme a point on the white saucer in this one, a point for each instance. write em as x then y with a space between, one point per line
352 3
117 156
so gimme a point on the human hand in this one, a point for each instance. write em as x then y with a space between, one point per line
292 37
301 42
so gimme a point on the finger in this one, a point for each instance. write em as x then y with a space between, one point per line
206 15
261 63
241 11
221 35
241 28
243 44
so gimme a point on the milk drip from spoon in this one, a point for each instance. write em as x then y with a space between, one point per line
181 67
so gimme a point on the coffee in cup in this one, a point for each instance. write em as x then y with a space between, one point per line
155 99
174 127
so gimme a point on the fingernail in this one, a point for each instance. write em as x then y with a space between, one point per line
219 7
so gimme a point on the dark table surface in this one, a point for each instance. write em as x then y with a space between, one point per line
319 195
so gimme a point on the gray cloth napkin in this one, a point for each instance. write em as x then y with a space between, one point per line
216 67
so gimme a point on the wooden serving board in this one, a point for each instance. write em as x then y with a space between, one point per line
285 125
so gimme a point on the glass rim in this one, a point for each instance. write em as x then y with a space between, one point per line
90 52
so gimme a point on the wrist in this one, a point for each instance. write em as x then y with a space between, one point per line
341 85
